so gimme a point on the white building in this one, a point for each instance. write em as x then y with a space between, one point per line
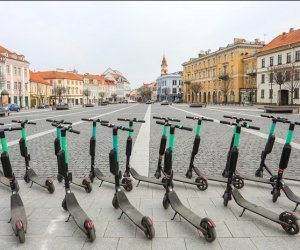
281 55
14 78
91 85
169 86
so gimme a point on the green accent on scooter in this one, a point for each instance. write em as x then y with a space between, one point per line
58 135
130 133
272 129
198 129
165 131
94 131
64 148
4 145
236 138
289 136
24 136
116 146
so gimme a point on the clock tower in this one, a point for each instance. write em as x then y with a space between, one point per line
164 66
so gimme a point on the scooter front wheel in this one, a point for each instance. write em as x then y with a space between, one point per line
64 204
26 178
238 182
273 180
189 174
59 178
291 220
148 227
166 202
92 177
88 187
276 194
115 202
210 231
226 198
127 184
259 173
201 183
50 187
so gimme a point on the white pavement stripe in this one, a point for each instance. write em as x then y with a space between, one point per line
64 114
140 152
238 113
253 132
252 110
31 137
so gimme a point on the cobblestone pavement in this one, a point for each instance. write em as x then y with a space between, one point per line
47 228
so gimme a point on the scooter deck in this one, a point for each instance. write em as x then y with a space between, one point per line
36 179
185 180
77 213
240 200
254 178
141 178
290 194
102 177
210 177
183 211
4 180
127 208
17 211
291 178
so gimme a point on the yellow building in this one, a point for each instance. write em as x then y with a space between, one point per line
220 76
40 90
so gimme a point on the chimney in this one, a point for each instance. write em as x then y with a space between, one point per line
283 33
291 29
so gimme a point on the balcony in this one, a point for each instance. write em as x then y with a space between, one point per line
251 72
224 76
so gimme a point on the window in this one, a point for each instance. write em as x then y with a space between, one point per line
263 78
271 60
174 90
214 60
288 58
271 77
262 93
59 81
7 69
15 85
279 59
19 71
208 73
26 86
15 70
8 85
270 93
225 57
288 76
296 93
19 86
263 63
297 75
297 58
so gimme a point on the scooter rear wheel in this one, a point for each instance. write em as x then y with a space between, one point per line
157 174
115 202
203 185
26 178
238 182
127 184
91 234
21 235
59 178
148 227
210 231
51 188
88 187
166 202
259 173
293 227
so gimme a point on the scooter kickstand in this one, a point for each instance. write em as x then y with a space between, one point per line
120 216
174 216
296 207
138 184
9 220
100 183
68 218
243 212
31 184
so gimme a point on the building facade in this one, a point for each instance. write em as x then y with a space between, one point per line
169 86
278 72
219 76
91 90
40 90
66 86
14 78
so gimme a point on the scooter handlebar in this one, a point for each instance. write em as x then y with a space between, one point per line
228 123
162 123
26 122
251 127
133 120
184 128
166 118
297 123
1 123
198 118
74 131
12 129
61 121
237 118
125 129
86 119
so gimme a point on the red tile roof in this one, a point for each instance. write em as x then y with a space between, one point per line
60 75
12 55
35 77
282 40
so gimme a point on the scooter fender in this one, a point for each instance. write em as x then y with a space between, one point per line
23 148
7 170
18 214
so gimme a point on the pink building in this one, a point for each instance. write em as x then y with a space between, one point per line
14 77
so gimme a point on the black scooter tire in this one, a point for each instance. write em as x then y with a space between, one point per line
238 182
59 178
166 202
26 178
127 184
115 202
259 173
148 227
157 174
292 221
203 185
91 234
88 187
189 174
64 204
92 177
51 188
226 198
17 187
21 235
276 194
210 231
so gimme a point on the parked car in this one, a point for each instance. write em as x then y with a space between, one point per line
43 106
164 102
11 107
61 106
148 102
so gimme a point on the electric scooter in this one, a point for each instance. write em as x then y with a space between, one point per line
96 172
70 202
205 225
86 182
5 181
18 217
284 161
202 178
269 146
287 220
120 199
30 175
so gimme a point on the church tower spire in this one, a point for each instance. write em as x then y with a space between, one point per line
164 66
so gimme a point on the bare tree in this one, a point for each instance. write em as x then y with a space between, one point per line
101 96
292 82
196 89
225 88
281 74
114 96
145 93
59 92
87 94
167 93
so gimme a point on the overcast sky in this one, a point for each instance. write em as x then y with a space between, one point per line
132 36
